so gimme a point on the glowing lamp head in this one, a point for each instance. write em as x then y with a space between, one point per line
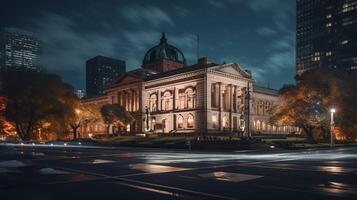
332 110
77 111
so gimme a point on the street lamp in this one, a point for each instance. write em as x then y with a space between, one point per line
332 111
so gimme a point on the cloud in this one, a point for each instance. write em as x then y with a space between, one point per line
65 49
142 15
282 53
183 12
266 31
217 4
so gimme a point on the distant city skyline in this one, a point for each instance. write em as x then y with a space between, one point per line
257 34
326 35
19 49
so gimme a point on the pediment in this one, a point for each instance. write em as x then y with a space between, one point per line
127 78
233 69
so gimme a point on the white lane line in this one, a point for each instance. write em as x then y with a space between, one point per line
229 176
150 168
177 189
328 169
147 183
101 161
319 191
172 194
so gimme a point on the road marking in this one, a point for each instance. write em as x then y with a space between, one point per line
153 169
228 176
100 161
104 176
177 189
176 195
319 191
328 169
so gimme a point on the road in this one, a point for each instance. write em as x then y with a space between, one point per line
67 172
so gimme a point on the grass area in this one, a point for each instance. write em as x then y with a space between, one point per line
218 143
137 140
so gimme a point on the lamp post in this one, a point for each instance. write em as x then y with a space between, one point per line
332 111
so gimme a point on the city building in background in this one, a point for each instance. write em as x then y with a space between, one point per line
100 73
326 34
166 96
80 93
19 49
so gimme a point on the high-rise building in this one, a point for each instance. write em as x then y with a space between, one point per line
19 49
100 72
326 34
80 93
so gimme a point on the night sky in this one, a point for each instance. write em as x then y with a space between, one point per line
257 34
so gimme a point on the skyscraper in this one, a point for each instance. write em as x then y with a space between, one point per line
326 34
100 72
19 49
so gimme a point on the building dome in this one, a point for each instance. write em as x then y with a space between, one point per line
164 51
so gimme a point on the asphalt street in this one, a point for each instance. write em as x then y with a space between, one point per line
68 172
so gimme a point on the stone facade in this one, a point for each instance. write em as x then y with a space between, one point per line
205 98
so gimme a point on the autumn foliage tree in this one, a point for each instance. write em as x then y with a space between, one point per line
115 114
81 114
307 104
35 98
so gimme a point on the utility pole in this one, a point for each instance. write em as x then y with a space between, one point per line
247 98
332 111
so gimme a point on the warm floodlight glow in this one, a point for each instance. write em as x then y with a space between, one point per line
332 110
77 111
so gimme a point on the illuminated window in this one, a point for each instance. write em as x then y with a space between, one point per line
214 121
343 42
328 16
329 53
190 121
225 122
153 102
328 25
190 98
166 101
179 121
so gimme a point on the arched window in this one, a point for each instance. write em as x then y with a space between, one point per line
153 102
225 122
258 125
179 121
214 121
190 121
166 101
190 98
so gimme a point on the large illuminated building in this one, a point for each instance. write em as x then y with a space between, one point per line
167 96
326 34
19 49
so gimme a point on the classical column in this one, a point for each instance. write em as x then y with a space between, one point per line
158 100
132 100
138 100
174 96
235 99
220 101
231 98
127 100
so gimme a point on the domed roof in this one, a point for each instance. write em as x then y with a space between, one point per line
164 51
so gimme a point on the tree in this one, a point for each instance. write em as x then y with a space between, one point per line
115 114
33 98
82 114
307 104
